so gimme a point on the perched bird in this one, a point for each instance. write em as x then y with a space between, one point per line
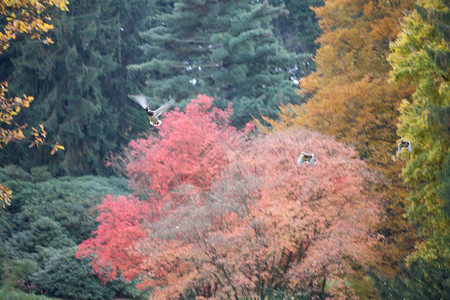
404 144
152 114
308 158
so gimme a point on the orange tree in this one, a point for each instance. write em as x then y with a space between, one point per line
21 17
350 97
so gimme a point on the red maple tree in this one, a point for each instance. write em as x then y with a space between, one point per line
120 228
224 216
191 148
267 225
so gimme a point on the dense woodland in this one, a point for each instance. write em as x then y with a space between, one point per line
98 204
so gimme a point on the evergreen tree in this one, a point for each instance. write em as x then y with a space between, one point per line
299 30
424 121
44 222
80 84
222 49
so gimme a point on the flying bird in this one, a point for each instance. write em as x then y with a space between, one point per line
152 114
306 158
404 144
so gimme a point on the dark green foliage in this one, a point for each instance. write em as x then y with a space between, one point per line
47 218
18 295
80 86
67 201
420 281
443 190
16 274
62 275
223 49
299 294
299 29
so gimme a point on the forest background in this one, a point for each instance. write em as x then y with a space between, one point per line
212 204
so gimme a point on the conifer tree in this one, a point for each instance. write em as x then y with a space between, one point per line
300 27
19 18
424 121
223 49
81 85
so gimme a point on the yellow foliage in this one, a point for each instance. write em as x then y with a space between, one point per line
56 147
22 17
27 17
5 195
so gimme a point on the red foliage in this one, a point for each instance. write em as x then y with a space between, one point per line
192 148
267 224
120 228
229 218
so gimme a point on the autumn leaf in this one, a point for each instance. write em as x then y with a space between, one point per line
55 148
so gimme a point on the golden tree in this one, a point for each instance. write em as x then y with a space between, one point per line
350 97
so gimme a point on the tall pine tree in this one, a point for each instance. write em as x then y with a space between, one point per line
222 49
80 85
298 30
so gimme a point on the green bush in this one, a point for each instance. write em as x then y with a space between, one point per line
47 219
62 275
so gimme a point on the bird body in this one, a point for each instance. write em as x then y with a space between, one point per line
306 158
404 144
152 114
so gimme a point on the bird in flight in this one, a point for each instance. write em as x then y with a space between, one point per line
152 114
306 158
404 144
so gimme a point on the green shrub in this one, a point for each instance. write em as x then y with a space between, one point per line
47 219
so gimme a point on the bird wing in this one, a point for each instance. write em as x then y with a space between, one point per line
300 160
399 147
164 107
410 147
312 162
140 99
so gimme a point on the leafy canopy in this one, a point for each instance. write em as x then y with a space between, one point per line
350 98
191 148
424 121
221 214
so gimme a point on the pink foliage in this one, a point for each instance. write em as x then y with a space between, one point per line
228 217
265 223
